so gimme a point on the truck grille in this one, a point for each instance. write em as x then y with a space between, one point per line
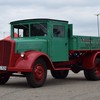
5 52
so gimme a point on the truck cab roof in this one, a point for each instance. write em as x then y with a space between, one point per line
35 20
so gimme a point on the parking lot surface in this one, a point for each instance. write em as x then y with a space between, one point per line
74 87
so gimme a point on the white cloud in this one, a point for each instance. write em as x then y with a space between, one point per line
78 12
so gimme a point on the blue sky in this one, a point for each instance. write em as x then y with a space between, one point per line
78 12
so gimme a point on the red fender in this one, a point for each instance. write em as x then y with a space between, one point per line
89 59
25 64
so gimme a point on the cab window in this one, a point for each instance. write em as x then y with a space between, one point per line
39 29
58 31
21 30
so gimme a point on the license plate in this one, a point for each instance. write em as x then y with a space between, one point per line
3 68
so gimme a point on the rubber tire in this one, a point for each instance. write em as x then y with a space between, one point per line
90 74
59 74
4 77
32 82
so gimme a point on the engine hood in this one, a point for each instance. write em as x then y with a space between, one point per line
22 45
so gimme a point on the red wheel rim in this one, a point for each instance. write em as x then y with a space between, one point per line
39 72
97 69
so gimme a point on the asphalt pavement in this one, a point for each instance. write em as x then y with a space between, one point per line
74 87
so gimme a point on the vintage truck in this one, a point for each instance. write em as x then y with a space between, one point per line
47 44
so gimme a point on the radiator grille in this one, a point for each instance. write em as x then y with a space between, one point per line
5 52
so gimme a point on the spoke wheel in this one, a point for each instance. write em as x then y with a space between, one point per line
4 77
60 74
93 74
38 76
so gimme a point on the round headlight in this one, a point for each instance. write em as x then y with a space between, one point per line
22 54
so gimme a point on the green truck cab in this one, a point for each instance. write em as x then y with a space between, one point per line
47 44
45 35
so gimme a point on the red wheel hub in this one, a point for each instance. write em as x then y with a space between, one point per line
39 72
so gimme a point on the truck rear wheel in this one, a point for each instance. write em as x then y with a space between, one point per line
38 76
93 74
4 77
59 74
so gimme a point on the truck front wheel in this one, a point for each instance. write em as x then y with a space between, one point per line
38 76
93 74
4 77
59 74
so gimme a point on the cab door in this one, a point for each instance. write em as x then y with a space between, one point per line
59 44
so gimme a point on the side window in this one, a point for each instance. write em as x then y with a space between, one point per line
39 29
21 30
58 31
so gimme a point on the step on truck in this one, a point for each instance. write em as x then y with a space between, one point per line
47 44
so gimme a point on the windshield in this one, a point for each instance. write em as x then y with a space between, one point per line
39 29
26 30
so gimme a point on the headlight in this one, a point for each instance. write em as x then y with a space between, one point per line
22 55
